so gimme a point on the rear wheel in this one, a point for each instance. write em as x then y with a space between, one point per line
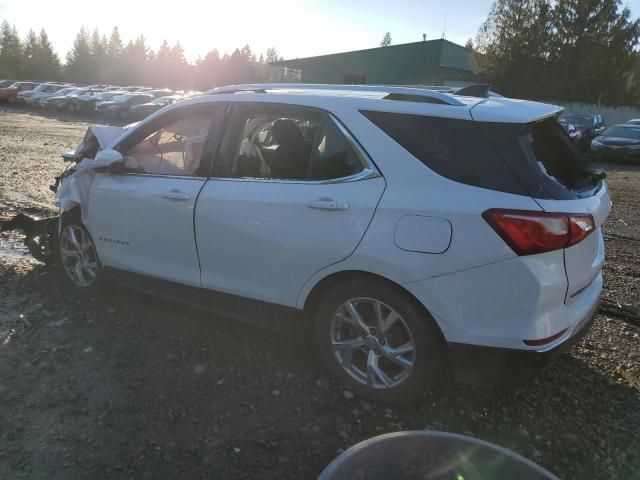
378 342
78 255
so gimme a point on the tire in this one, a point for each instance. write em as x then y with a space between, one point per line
367 353
89 276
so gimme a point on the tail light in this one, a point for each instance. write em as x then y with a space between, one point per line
528 232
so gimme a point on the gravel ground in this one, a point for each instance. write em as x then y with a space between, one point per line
125 386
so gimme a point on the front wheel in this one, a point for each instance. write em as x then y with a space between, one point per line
378 342
78 256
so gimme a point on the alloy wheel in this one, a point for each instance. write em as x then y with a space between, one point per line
372 343
78 256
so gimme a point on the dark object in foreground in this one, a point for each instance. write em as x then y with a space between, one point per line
434 455
40 235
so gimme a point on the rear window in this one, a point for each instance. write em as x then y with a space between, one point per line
456 149
544 158
537 159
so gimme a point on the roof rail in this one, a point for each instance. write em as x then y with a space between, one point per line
417 93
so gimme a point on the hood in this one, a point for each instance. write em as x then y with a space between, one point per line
95 139
617 141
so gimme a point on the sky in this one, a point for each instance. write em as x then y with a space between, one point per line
295 28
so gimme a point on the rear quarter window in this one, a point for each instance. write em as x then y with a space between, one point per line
456 149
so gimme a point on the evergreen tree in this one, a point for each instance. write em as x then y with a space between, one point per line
386 40
80 65
11 55
592 50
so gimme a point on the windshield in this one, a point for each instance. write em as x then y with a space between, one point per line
622 132
161 101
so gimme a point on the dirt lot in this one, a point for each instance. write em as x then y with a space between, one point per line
124 386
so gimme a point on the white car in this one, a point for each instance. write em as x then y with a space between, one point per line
405 231
41 93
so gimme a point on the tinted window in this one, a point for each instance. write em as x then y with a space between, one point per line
537 159
288 143
456 149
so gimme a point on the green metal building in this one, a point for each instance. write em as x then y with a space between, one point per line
432 62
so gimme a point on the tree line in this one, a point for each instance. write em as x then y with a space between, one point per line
96 59
571 50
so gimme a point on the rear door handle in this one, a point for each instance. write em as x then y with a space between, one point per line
328 205
176 195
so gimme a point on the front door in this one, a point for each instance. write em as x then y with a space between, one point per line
140 215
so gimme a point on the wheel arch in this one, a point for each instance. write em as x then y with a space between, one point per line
316 293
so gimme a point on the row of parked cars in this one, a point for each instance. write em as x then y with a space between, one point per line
619 142
124 103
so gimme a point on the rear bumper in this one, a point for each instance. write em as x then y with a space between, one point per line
490 366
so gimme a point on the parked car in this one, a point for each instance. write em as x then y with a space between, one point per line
118 106
59 99
401 238
634 121
6 83
41 93
160 92
10 94
138 112
87 101
589 127
618 143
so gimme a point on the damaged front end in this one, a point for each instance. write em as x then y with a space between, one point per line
71 189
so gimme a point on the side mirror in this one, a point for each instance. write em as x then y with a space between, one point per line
107 157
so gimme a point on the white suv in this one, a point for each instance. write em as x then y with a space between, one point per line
407 231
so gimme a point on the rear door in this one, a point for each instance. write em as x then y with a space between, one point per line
292 193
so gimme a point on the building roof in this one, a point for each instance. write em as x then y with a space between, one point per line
298 62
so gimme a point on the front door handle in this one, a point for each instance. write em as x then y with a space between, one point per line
328 205
176 195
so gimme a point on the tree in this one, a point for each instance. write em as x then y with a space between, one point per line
513 44
11 64
469 44
80 67
571 50
593 40
386 40
99 55
46 64
113 67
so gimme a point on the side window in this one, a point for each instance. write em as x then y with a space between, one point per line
287 144
175 149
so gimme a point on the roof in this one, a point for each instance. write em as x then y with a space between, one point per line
296 62
403 99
